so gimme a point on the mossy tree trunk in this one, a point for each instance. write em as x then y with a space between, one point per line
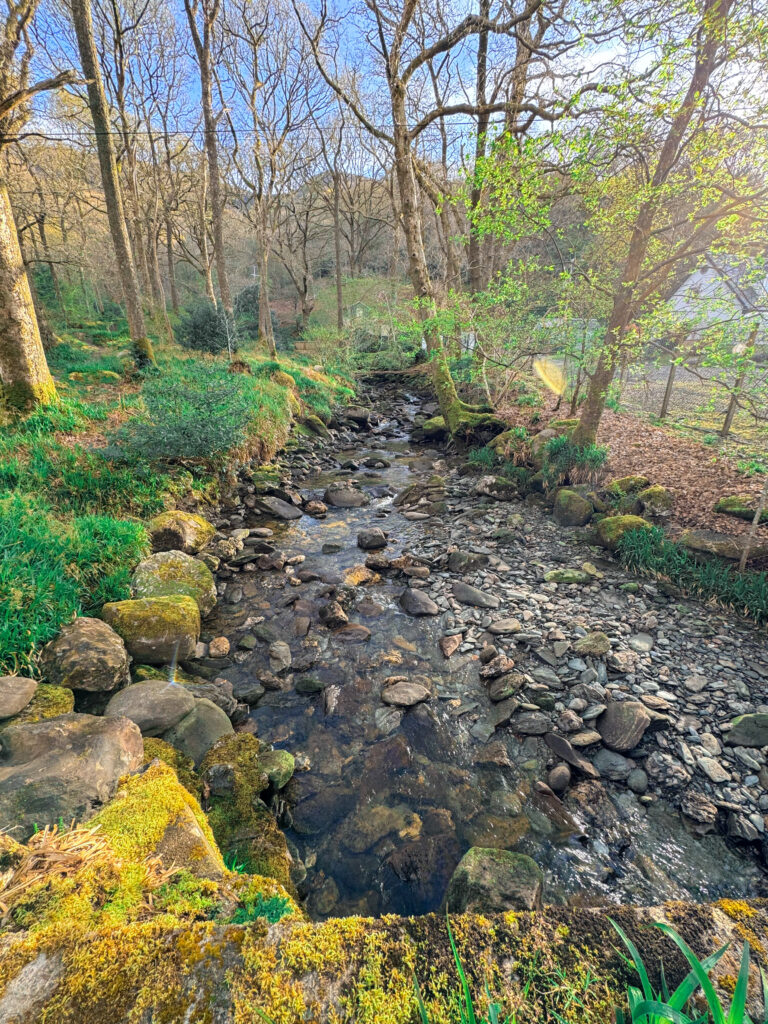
97 102
25 380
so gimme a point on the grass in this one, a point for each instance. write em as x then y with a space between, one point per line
650 553
649 1007
52 570
577 463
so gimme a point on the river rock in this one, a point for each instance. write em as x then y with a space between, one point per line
724 545
559 778
344 495
491 881
172 572
612 765
218 647
332 615
62 767
279 766
155 705
749 731
416 602
280 509
280 657
466 561
531 723
623 724
197 732
86 655
372 540
180 531
666 770
594 645
571 509
466 594
405 694
15 693
502 626
156 630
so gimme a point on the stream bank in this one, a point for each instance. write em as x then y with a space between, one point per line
438 692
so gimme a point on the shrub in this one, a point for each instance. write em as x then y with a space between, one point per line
650 553
578 463
246 310
484 457
51 570
204 328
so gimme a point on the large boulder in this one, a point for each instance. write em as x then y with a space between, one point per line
180 531
623 724
656 499
724 545
344 495
86 655
169 573
280 509
155 705
156 630
571 509
611 529
15 694
197 732
489 881
62 768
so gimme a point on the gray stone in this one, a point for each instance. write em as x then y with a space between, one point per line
15 693
713 769
623 724
559 778
466 594
155 705
531 723
279 656
612 766
86 655
405 694
62 767
637 781
416 602
372 540
280 509
196 733
342 495
502 626
749 731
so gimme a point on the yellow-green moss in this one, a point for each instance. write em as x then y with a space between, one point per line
49 701
183 766
611 529
628 485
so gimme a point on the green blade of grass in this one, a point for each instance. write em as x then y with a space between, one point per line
738 1008
715 1007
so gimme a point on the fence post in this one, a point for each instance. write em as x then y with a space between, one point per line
668 390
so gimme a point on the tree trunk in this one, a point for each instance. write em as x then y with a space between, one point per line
668 391
751 537
266 334
25 380
171 268
203 51
337 251
97 101
475 253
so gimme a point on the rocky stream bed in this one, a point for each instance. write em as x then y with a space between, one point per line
418 647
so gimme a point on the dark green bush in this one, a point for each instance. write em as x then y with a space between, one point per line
193 411
246 310
51 570
204 328
577 463
650 553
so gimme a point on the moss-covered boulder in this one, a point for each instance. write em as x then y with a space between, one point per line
435 428
656 499
235 771
153 815
487 881
571 508
623 485
183 766
740 506
316 425
723 545
180 531
48 702
610 530
169 573
156 630
86 655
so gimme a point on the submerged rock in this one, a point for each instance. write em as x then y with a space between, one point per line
86 655
343 495
487 881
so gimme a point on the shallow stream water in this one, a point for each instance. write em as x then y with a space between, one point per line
385 801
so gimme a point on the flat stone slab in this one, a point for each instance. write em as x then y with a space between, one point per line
466 594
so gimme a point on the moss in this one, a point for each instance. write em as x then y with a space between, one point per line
136 820
182 766
435 427
740 506
611 529
170 573
49 701
180 530
152 627
656 498
627 485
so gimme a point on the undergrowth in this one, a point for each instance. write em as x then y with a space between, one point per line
650 553
577 463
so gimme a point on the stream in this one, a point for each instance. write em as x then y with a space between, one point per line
386 799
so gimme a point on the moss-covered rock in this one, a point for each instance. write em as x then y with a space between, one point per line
180 531
235 771
594 645
656 499
48 702
571 508
434 428
197 731
170 573
184 767
740 506
156 630
611 529
723 545
627 485
568 576
489 880
316 425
